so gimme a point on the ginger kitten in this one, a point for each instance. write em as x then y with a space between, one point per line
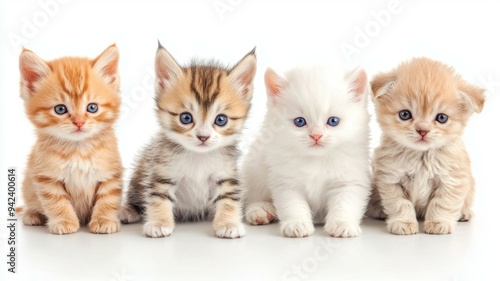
310 162
422 169
188 171
74 172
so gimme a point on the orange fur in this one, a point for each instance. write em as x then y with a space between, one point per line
73 173
423 176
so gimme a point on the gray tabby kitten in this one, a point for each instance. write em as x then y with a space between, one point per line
188 171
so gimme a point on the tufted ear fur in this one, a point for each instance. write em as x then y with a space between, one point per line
382 83
33 69
473 96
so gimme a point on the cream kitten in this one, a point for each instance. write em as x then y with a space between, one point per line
310 161
421 168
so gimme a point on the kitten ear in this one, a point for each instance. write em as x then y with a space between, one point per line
167 70
358 81
243 73
274 82
382 83
32 69
473 96
106 66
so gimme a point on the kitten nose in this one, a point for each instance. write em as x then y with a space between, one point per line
203 138
422 132
315 137
79 123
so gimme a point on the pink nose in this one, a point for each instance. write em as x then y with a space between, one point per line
203 138
79 123
422 132
315 137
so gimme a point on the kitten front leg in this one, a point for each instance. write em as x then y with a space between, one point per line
294 212
445 207
159 214
401 216
228 210
105 212
61 215
346 207
374 208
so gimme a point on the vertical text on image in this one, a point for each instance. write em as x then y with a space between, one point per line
11 221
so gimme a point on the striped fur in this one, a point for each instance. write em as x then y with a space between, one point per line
179 177
73 175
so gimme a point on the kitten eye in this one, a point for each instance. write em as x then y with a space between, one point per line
60 109
92 107
405 115
220 120
333 121
299 122
442 118
186 118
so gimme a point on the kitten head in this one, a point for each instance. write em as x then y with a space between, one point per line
203 106
424 104
71 98
318 108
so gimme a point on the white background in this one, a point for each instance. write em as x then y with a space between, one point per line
378 34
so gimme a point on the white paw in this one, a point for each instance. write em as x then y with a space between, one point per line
260 213
156 229
297 229
230 230
129 215
343 229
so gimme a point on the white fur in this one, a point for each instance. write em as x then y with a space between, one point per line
306 183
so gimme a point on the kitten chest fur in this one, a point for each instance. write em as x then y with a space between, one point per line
420 173
196 175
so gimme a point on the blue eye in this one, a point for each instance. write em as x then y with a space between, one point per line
60 109
299 122
333 121
92 107
220 120
405 115
186 118
442 118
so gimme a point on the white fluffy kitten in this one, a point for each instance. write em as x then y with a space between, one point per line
310 162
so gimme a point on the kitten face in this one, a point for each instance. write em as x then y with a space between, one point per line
71 98
203 107
319 109
424 104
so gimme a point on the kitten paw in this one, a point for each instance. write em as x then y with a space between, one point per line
466 215
34 218
63 226
105 226
260 213
157 229
129 215
230 230
403 227
343 229
297 229
438 227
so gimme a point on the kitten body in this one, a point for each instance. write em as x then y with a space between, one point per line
317 172
74 170
422 169
188 171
